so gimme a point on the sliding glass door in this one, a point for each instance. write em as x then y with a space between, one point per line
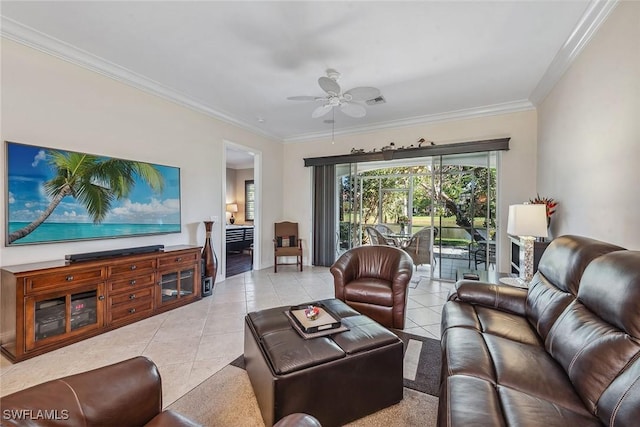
465 213
452 196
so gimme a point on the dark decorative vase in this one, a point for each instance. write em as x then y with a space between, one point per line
208 254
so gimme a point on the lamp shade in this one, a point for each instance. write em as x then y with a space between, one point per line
527 220
232 207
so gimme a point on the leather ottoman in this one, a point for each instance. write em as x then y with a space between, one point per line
337 378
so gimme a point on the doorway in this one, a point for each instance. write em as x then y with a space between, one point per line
241 204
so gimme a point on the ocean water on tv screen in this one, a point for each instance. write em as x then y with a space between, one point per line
48 232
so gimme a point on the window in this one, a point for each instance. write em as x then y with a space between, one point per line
249 200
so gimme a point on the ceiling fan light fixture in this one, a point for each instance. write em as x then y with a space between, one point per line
347 101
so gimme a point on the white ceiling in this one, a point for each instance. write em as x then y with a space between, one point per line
238 158
240 60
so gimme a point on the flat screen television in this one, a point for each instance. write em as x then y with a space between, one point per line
57 195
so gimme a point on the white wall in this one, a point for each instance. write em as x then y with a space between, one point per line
589 136
517 181
53 103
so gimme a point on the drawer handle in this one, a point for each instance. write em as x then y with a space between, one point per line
178 259
69 278
132 296
101 298
132 310
133 267
132 282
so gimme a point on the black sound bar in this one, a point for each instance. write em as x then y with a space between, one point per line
92 256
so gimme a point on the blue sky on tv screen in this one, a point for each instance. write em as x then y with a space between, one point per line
28 170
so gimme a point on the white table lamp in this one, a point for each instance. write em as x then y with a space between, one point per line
527 221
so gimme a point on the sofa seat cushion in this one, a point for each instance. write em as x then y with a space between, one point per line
369 290
477 402
502 362
489 321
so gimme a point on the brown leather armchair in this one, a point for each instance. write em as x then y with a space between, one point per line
374 281
126 394
286 243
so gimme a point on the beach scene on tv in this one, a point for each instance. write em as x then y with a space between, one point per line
56 195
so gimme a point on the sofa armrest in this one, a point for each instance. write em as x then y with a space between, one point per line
402 277
126 393
502 297
344 270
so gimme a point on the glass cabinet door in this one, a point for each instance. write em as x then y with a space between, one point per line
175 285
61 315
187 279
50 318
169 287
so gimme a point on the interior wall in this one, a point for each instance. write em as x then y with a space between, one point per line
53 103
517 180
589 136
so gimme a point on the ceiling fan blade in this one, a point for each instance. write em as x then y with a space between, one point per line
303 98
321 111
363 93
329 85
353 110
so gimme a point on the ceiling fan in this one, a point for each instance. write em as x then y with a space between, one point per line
347 101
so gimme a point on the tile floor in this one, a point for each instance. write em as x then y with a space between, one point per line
191 343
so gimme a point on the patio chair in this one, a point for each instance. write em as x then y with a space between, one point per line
376 238
419 247
386 232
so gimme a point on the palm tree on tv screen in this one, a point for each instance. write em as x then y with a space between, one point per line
93 181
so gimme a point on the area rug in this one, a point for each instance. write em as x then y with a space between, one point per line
422 363
226 399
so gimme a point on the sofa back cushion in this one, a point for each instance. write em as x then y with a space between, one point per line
597 338
556 283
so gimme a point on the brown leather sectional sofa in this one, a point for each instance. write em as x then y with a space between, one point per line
565 352
126 394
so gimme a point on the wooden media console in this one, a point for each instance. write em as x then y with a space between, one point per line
48 305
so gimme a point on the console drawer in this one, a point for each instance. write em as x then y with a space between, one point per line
178 259
133 266
131 283
133 295
134 309
64 278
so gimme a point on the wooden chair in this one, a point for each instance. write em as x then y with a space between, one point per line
286 243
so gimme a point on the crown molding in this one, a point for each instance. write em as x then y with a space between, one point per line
591 20
20 33
469 113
